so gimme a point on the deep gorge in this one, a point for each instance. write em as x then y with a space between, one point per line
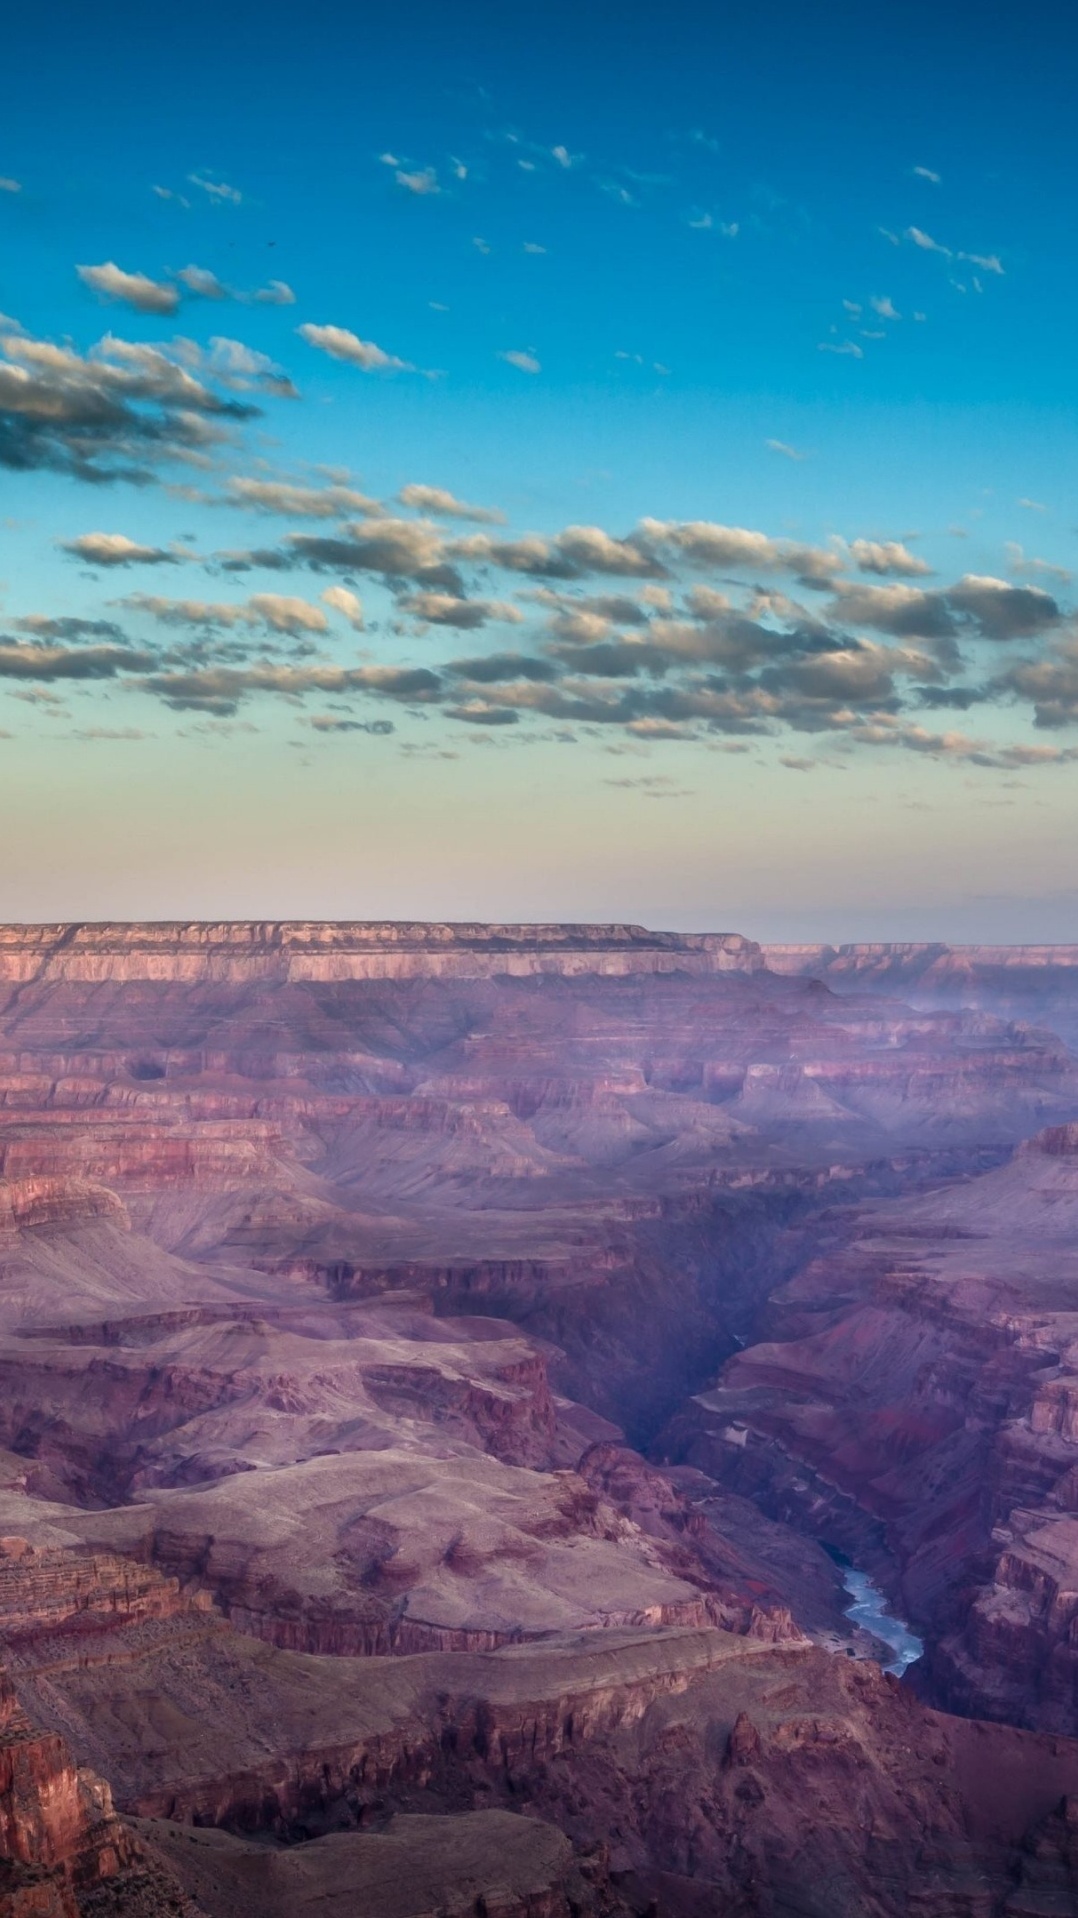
445 1371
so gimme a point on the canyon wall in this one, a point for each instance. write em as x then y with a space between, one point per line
433 1361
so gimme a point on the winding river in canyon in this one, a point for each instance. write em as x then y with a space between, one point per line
869 1610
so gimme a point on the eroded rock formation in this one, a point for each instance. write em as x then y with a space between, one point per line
430 1360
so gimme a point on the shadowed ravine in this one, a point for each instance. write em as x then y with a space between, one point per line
496 1397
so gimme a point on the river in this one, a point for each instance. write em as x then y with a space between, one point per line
869 1609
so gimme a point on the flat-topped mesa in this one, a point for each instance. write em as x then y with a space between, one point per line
328 950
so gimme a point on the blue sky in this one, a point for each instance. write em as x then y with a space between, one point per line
598 463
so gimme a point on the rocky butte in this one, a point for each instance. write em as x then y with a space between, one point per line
446 1373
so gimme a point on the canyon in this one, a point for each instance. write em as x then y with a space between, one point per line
446 1374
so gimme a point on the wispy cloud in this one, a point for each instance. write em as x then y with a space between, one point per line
926 173
275 293
201 282
281 612
422 182
333 723
8 185
216 190
133 289
788 452
524 362
301 502
438 500
1037 568
342 345
926 243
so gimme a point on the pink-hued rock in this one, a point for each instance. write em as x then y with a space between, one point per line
347 1274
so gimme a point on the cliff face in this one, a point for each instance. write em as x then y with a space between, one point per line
59 1836
286 950
916 1403
347 1274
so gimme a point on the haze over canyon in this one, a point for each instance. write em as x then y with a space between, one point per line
447 1373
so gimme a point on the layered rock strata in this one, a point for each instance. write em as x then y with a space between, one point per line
347 1274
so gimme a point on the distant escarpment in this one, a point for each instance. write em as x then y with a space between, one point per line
283 950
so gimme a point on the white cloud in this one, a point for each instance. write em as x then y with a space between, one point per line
423 181
885 307
120 408
788 452
481 246
706 543
886 556
926 243
277 293
532 246
926 173
448 609
301 502
282 612
438 500
1040 568
8 185
707 223
524 362
348 603
115 549
563 156
135 289
232 363
201 282
988 262
340 344
848 348
216 189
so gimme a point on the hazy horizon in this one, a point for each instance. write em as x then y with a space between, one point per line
617 468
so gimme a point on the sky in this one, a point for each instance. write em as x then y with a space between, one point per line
596 462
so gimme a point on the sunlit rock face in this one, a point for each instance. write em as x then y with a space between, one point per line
433 1361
